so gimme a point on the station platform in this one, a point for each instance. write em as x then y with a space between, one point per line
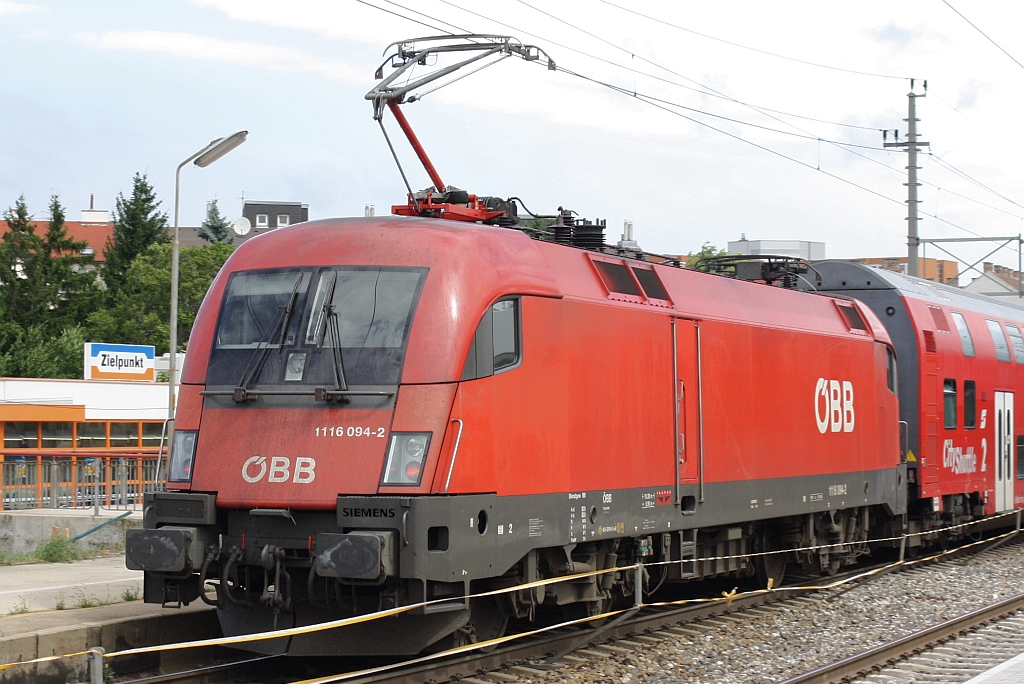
1010 672
23 530
116 627
35 587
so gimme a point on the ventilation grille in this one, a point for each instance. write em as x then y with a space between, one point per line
929 342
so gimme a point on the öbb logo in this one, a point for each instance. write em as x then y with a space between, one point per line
833 406
279 469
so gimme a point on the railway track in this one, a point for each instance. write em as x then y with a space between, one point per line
994 634
527 657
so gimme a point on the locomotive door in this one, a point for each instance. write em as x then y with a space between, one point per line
1004 470
687 380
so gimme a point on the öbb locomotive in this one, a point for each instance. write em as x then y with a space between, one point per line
379 412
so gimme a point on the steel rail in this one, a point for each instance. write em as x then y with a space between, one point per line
197 672
647 620
879 656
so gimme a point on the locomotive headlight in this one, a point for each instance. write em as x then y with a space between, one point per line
406 453
293 369
183 451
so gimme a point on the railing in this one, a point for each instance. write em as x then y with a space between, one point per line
78 478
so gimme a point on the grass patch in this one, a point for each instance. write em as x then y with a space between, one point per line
60 602
19 608
15 558
60 550
130 594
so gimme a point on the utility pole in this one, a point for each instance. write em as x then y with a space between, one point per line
911 144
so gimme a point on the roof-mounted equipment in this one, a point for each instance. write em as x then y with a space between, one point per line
440 200
771 269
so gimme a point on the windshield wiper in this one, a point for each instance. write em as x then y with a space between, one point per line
241 391
329 320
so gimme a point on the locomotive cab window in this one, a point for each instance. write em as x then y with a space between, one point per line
970 404
496 345
1017 341
949 404
965 333
998 339
890 370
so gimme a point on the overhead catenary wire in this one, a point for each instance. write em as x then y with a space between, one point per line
704 90
966 176
666 108
698 88
806 134
752 49
402 16
987 37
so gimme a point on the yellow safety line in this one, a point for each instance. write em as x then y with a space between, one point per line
728 597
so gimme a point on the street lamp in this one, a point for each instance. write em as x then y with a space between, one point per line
203 158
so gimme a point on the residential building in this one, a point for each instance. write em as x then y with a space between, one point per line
935 270
996 280
94 228
264 216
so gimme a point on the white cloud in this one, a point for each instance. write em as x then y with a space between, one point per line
207 49
8 8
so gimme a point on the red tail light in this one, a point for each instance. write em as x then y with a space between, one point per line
412 471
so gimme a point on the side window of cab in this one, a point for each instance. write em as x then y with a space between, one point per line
497 345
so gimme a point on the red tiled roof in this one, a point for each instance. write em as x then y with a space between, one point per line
95 234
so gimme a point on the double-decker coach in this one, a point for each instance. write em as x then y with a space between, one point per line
961 364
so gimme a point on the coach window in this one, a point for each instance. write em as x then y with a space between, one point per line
1017 341
496 345
949 404
965 333
1020 457
970 410
890 370
999 339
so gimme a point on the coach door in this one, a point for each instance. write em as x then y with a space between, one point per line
688 450
1004 470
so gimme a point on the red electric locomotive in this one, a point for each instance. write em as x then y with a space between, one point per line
376 412
959 365
384 411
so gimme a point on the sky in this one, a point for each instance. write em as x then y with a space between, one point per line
753 100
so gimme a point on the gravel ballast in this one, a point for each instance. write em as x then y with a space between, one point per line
774 642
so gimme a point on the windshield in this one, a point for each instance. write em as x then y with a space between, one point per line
367 320
251 305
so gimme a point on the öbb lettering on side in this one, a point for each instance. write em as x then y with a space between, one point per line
833 406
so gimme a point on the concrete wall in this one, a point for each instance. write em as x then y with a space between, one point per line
23 531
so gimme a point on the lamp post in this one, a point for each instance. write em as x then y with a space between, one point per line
203 158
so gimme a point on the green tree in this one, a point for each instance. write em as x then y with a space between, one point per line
21 300
140 311
215 228
66 273
138 224
34 352
706 250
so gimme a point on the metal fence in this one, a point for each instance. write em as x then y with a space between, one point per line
51 478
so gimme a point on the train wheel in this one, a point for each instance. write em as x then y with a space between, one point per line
771 566
585 609
488 620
